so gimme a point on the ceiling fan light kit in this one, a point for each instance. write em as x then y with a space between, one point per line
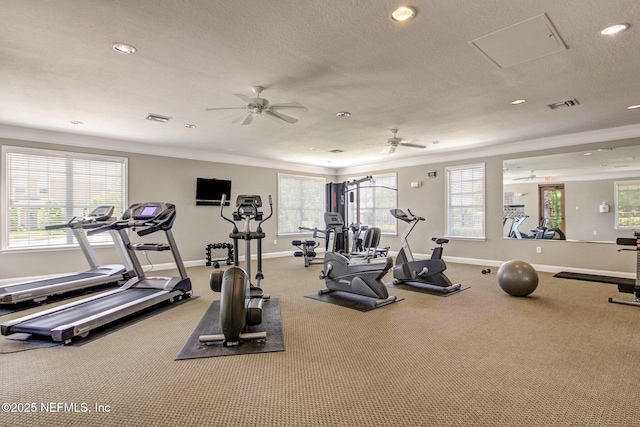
396 142
259 105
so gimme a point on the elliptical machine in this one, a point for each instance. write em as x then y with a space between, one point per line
241 301
427 274
360 275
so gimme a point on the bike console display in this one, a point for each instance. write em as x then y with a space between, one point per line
333 219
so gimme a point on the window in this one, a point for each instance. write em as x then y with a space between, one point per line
301 202
465 201
627 200
46 187
377 198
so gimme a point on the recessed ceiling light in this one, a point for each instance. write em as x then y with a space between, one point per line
587 154
435 142
76 122
336 151
313 149
518 101
403 13
614 29
343 114
633 107
123 47
188 126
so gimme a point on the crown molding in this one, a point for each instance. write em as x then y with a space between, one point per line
103 143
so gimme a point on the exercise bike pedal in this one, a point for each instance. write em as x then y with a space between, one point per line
256 292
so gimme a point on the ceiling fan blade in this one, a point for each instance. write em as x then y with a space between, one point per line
226 108
247 119
244 98
408 144
281 116
288 105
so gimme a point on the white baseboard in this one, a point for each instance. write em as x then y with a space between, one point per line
461 260
542 267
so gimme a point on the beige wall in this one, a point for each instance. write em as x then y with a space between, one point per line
429 200
155 178
163 179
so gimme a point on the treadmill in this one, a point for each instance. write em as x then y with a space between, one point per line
77 319
39 290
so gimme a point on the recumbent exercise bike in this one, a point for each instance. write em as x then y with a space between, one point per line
360 275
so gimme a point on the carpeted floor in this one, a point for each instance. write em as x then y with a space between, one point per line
562 357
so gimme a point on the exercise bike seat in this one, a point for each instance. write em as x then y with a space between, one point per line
439 240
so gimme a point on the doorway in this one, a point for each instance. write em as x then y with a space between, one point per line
551 206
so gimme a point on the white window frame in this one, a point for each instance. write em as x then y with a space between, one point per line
458 199
304 221
391 227
38 244
617 185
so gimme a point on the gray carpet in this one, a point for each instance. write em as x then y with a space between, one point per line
210 324
348 300
563 357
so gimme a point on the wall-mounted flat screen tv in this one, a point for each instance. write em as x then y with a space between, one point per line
209 191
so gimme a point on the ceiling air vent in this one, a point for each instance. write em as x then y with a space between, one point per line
157 118
569 103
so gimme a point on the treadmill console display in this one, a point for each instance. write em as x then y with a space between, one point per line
101 212
147 212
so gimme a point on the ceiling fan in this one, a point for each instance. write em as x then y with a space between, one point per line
395 142
527 178
259 105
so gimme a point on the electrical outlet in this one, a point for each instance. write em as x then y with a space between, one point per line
275 241
538 249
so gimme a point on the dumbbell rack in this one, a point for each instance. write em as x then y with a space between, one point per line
216 261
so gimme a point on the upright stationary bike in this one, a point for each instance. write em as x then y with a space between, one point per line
241 301
428 273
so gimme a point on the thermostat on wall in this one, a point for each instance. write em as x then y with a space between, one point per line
431 174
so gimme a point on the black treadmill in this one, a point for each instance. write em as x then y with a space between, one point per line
77 319
39 290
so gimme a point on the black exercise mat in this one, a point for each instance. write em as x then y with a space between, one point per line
8 309
415 287
349 300
596 278
210 325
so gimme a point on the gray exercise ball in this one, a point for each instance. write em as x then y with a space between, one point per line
517 278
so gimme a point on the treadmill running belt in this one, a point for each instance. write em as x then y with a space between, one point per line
44 324
47 282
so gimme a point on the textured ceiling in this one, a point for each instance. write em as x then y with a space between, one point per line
423 77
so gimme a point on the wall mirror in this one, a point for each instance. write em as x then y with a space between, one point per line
591 196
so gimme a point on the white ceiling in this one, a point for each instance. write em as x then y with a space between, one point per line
423 77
